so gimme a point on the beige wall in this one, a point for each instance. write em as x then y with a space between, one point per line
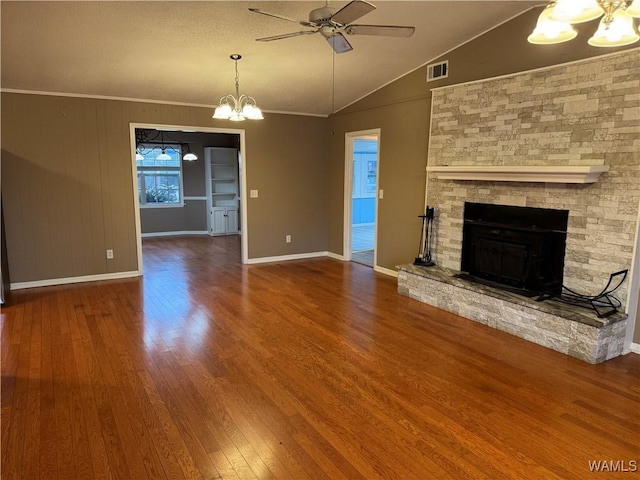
288 166
401 175
192 217
68 190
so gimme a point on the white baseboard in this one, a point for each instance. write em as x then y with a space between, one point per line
65 281
386 271
173 234
284 258
336 256
635 348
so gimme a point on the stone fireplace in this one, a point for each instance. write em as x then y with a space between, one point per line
580 116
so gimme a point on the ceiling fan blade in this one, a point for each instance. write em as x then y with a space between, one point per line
380 30
352 11
339 43
274 15
286 35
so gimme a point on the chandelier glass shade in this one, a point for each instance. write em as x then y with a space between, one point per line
239 107
163 156
617 26
550 31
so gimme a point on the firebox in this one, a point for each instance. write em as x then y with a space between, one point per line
520 249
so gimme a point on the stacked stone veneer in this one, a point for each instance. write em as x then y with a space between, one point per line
585 113
569 330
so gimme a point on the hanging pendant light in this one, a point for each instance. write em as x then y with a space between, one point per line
240 107
163 156
189 156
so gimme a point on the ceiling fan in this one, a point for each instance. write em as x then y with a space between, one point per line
333 25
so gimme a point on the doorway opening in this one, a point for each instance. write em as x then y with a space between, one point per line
361 200
176 200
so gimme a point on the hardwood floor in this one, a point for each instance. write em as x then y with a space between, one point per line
208 369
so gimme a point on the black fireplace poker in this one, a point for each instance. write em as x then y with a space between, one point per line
424 247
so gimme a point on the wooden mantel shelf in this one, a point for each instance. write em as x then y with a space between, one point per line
544 174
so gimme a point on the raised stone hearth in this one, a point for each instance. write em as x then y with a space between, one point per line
567 329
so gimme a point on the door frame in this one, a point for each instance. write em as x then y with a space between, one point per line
242 163
349 138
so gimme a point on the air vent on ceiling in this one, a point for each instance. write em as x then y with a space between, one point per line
438 70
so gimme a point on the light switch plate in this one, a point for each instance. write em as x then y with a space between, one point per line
253 193
380 193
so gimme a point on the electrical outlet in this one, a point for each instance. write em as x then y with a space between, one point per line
287 239
109 254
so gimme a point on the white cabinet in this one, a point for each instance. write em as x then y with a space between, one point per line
224 220
223 191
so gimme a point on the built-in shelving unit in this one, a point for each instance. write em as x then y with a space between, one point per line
222 189
502 173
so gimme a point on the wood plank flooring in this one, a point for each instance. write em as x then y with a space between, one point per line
315 369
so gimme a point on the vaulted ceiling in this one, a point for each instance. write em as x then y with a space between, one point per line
174 51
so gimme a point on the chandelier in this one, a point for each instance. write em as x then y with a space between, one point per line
616 27
240 107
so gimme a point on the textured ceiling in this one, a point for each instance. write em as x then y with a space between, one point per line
179 51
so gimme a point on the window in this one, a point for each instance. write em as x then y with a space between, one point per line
159 181
365 155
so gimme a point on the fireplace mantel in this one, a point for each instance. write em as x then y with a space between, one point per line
530 173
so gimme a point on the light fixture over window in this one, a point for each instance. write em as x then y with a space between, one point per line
147 142
240 107
616 26
190 156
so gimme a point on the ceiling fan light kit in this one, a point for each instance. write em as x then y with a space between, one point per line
333 25
239 107
616 27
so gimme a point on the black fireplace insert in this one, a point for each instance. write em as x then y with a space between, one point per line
520 249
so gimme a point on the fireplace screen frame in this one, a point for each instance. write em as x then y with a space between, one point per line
515 248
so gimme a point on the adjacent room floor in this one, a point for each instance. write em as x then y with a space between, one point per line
314 369
362 243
